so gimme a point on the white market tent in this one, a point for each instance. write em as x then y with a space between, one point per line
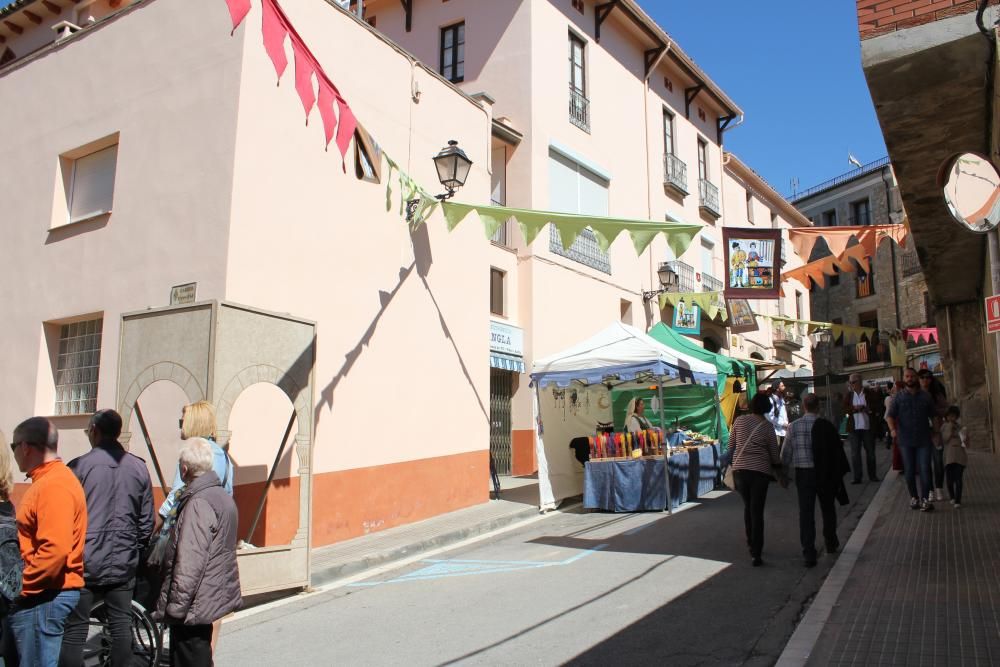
572 396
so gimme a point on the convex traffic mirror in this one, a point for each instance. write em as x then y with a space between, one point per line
972 191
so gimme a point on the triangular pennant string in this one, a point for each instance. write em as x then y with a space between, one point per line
388 181
345 132
304 70
567 235
275 32
325 105
238 10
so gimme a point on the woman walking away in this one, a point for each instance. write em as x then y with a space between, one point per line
897 456
756 463
955 440
11 565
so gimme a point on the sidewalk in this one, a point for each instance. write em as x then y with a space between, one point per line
912 588
518 502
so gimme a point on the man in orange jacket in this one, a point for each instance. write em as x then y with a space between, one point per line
51 527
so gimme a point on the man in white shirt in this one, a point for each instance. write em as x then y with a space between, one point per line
861 404
778 416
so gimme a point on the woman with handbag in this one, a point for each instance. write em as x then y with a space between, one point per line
756 463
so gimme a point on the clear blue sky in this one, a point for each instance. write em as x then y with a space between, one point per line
794 67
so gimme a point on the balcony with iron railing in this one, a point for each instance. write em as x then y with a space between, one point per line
503 236
910 263
579 109
685 276
711 283
708 199
866 352
675 174
787 338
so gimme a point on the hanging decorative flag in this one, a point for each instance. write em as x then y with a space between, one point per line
275 32
238 10
711 303
741 317
304 72
687 318
923 336
753 262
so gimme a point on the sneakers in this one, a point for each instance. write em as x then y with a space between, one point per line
939 495
958 506
926 506
914 504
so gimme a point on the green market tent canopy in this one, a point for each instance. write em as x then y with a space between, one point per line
678 234
726 366
572 390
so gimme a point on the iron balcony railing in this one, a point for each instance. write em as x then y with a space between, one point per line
711 283
910 264
867 352
843 178
780 334
708 197
579 109
861 219
675 172
685 276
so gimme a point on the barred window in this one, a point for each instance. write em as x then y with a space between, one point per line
77 366
584 249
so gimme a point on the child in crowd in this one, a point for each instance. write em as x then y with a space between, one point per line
953 437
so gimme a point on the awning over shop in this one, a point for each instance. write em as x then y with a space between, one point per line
506 362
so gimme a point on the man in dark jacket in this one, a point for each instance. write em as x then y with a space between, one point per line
201 582
863 408
120 506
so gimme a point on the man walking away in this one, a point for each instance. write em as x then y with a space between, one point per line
51 526
812 478
861 405
120 510
909 419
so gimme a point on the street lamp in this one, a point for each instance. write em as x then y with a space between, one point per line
453 167
668 279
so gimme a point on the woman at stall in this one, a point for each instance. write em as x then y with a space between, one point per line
636 418
756 463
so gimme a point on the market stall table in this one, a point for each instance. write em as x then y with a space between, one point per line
703 473
635 485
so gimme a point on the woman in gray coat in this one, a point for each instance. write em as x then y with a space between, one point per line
201 583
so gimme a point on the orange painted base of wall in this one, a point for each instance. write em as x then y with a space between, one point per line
352 503
523 461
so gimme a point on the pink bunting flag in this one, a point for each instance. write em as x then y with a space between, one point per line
348 123
304 70
275 31
327 94
238 10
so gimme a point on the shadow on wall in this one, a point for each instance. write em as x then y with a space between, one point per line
423 259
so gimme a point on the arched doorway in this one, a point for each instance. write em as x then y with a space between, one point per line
156 435
260 439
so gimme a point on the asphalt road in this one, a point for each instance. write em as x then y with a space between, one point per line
576 588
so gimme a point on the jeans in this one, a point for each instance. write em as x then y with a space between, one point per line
752 487
917 460
937 466
808 493
37 624
954 471
864 437
191 645
118 603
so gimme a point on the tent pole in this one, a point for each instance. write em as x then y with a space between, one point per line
666 447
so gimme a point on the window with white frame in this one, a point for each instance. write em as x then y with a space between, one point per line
575 189
92 184
77 364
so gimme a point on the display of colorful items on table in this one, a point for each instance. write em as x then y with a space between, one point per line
620 446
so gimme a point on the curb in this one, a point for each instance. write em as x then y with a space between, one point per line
800 645
333 573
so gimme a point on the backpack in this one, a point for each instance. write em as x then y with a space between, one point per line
11 565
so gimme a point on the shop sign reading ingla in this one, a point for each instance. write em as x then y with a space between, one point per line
506 338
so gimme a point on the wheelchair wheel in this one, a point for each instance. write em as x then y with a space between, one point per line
147 640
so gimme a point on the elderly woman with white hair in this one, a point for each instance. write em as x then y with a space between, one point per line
201 581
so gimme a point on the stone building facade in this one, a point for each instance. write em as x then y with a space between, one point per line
893 297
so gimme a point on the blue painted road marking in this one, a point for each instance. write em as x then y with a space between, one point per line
440 569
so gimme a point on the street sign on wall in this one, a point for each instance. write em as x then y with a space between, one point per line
993 314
